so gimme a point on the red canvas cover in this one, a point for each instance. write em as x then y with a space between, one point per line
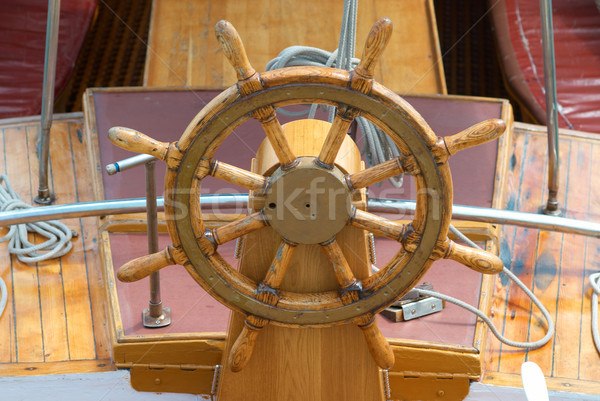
22 46
577 48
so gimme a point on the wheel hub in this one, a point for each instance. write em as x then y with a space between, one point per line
307 204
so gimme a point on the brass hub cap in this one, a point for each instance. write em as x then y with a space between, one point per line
307 204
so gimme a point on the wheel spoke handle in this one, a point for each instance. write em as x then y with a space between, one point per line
134 141
144 266
233 48
475 135
242 349
376 42
380 349
475 259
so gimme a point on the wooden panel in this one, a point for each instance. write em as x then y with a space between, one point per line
555 266
183 50
27 320
55 320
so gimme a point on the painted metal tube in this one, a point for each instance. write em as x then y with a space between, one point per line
126 164
551 105
44 196
110 207
495 216
240 201
155 303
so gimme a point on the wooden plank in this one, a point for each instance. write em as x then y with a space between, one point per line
55 368
88 230
572 279
557 384
75 280
513 183
523 255
547 271
52 306
588 365
570 360
8 350
183 50
28 327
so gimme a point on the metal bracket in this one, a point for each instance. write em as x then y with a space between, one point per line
422 307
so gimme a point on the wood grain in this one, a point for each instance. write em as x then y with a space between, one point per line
554 265
144 266
377 39
59 320
185 50
134 141
478 134
303 363
377 173
475 259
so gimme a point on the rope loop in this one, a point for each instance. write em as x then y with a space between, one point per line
58 236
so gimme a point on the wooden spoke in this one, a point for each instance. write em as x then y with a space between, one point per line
375 174
378 225
237 176
342 271
335 136
239 227
279 265
276 137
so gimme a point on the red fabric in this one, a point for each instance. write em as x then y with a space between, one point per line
22 47
577 48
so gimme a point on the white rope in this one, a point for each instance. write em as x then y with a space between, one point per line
377 146
58 235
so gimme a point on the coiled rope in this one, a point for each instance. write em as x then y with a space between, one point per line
58 236
376 145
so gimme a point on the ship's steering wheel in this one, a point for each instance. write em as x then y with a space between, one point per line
353 93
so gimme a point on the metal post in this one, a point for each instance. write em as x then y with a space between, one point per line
551 106
44 197
155 315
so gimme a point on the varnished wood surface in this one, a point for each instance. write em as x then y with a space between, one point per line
183 49
554 265
303 363
55 319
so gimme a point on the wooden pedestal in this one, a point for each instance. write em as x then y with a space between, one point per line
330 363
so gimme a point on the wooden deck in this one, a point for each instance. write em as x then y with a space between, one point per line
554 265
55 319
